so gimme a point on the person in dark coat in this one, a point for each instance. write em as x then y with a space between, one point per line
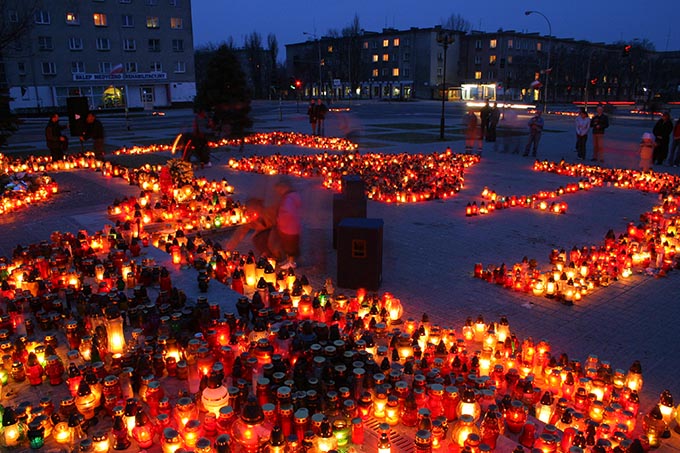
321 111
662 133
94 130
56 142
494 118
485 116
312 114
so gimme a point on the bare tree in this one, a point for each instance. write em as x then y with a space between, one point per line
456 22
272 73
17 20
253 49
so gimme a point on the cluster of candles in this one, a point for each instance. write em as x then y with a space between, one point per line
293 370
390 178
201 205
275 138
543 200
653 243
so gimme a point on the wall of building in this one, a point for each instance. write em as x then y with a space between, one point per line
110 51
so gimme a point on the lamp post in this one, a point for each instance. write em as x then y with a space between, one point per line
547 66
318 42
444 39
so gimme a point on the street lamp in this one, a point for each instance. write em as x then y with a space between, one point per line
444 39
547 66
318 42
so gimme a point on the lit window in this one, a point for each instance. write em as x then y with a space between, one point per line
75 43
42 17
49 68
72 19
386 42
154 45
127 21
130 66
176 23
386 57
178 45
99 20
395 72
156 66
105 67
539 46
329 49
395 42
77 67
365 44
152 22
492 59
45 43
375 73
509 59
103 44
375 58
180 67
492 43
129 45
478 75
510 44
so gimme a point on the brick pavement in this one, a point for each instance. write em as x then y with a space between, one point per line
430 249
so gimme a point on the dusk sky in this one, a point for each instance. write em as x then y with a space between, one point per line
594 20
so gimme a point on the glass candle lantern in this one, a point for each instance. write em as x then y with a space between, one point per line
468 404
464 426
86 402
114 330
13 431
215 395
143 431
384 444
185 410
251 432
516 416
101 442
36 435
191 433
423 441
171 441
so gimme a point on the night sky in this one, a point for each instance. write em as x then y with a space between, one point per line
595 20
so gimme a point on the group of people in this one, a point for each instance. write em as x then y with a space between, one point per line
57 142
484 129
583 124
655 146
317 116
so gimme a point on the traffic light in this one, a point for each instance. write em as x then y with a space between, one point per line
292 83
593 81
626 50
298 84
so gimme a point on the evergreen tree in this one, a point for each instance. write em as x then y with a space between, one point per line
224 93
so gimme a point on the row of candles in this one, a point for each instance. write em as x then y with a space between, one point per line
285 361
652 243
389 178
544 200
275 138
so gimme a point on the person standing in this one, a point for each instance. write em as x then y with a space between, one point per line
599 123
535 124
662 132
288 222
582 124
94 130
484 116
311 113
200 130
674 159
470 123
494 118
321 111
56 142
